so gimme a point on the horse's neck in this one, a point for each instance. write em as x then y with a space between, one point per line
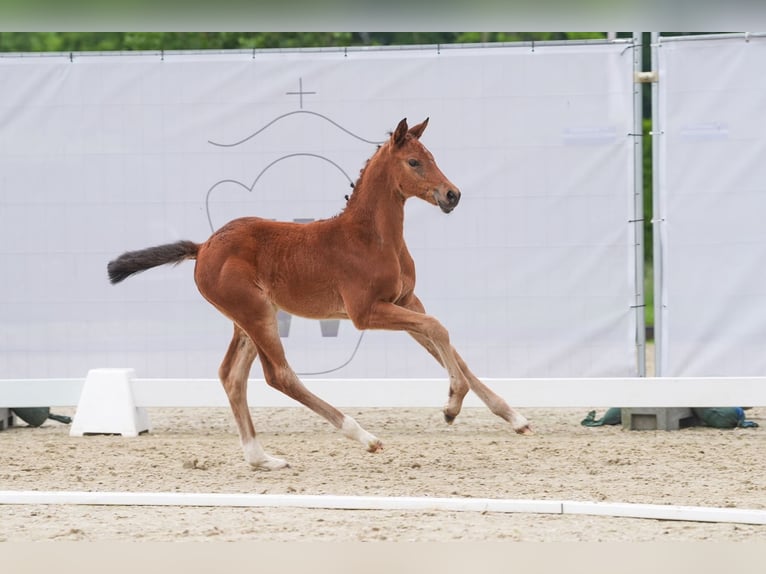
379 208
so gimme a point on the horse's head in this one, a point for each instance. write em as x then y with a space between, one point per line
417 172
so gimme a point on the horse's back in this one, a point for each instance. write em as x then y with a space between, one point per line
293 264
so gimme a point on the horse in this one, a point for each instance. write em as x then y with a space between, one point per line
354 265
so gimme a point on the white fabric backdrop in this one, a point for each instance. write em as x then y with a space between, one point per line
713 201
533 273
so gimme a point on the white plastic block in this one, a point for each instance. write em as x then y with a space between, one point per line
106 405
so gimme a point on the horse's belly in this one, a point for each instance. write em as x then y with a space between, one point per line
312 311
310 303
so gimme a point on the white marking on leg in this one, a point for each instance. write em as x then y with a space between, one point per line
352 430
519 422
257 457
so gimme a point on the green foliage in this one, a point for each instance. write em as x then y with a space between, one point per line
474 37
648 227
647 189
125 41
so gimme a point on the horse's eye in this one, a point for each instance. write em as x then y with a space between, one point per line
414 163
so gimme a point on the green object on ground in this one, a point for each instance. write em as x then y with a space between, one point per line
716 417
35 416
723 417
612 416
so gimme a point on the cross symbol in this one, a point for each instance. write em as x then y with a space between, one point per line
300 92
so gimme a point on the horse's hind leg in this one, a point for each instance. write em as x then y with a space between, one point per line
280 375
257 317
234 372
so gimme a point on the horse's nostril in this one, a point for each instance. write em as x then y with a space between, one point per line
452 197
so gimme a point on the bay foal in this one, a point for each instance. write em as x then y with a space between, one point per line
352 266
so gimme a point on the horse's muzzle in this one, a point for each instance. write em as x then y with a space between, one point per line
448 201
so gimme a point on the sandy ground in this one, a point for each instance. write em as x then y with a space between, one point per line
196 450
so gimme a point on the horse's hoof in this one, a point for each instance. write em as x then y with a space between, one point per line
449 418
375 446
524 430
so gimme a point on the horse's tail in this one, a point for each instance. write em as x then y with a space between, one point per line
133 262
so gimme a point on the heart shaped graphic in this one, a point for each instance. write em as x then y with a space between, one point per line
329 329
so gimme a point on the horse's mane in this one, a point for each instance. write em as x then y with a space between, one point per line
353 195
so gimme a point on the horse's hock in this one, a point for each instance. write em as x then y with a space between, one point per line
644 418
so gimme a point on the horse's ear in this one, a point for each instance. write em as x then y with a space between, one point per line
418 130
400 133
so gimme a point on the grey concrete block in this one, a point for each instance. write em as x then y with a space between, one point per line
672 418
6 418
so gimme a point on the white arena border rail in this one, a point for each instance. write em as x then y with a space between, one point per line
392 393
402 503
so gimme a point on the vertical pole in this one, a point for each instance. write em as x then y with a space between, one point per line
638 205
657 209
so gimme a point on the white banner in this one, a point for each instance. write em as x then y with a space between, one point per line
712 190
533 273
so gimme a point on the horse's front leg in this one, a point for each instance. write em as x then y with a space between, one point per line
427 331
458 385
494 401
463 380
